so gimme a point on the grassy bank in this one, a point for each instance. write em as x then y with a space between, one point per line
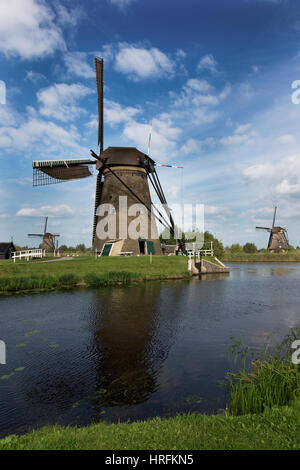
277 428
88 271
290 257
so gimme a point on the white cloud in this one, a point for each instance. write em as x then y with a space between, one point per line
164 137
180 54
279 180
258 172
208 62
42 137
192 146
288 187
140 63
216 211
61 210
59 101
34 77
198 101
114 113
66 17
28 29
7 116
243 135
106 52
198 85
77 64
286 139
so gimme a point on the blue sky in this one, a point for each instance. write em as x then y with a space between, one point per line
215 76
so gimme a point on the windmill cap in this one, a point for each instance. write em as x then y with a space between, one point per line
128 156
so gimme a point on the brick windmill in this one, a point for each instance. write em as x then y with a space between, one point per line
48 243
278 239
121 172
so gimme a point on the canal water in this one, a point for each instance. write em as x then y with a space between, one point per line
154 349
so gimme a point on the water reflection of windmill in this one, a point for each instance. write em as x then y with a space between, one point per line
48 243
278 239
128 364
121 171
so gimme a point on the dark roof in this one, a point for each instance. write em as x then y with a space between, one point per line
4 246
130 156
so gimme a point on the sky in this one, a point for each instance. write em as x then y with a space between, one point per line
221 81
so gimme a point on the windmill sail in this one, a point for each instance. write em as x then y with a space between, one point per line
99 81
275 210
57 171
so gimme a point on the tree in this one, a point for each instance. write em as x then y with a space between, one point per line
290 248
80 247
249 248
217 245
236 248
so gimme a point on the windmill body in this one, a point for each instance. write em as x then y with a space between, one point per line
278 239
126 164
48 243
123 173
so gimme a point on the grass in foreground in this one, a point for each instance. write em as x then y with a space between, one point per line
277 428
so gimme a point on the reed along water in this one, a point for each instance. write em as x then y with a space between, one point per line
129 353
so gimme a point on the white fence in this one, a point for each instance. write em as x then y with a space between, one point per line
38 253
198 253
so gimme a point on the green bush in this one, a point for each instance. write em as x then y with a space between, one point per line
249 248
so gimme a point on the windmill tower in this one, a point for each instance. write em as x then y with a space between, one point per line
123 175
48 243
278 239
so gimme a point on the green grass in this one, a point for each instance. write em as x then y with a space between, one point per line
87 270
276 428
211 260
290 256
270 379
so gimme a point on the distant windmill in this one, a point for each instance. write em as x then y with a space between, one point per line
278 239
48 238
121 171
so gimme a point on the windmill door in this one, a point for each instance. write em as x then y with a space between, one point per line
106 249
142 242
